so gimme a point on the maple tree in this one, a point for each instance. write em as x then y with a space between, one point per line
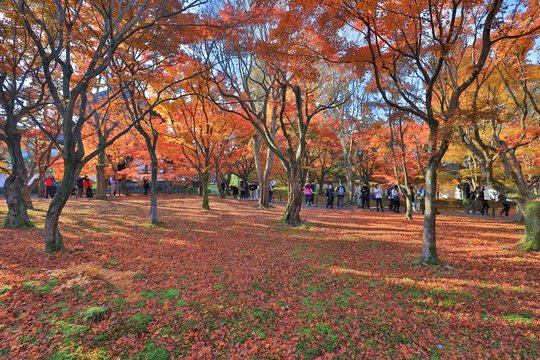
419 58
251 80
76 42
205 135
21 94
502 131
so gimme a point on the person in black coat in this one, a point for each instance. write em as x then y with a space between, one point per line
330 196
366 193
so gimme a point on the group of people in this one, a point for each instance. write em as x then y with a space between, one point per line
250 191
84 184
364 194
477 201
309 193
331 193
50 186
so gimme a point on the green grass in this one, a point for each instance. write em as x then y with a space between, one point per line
139 323
92 312
153 352
523 318
171 294
4 289
70 329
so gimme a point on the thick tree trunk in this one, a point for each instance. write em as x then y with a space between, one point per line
15 184
53 238
294 198
409 204
429 244
27 192
531 238
205 177
154 219
101 179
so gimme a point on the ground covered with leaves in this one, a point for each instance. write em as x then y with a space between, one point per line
235 283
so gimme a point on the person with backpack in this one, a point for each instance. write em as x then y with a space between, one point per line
49 184
365 196
146 186
307 194
330 196
505 204
87 186
377 194
234 191
340 195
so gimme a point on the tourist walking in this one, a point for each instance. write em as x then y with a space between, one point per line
340 195
330 196
307 194
49 186
112 184
270 191
87 186
377 195
146 186
484 202
471 208
395 199
505 204
365 196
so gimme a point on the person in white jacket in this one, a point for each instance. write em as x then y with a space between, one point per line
377 195
396 198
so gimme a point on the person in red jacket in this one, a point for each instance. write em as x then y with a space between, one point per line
49 186
87 186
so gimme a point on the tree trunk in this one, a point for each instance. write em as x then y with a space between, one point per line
531 237
27 192
429 244
321 185
154 219
101 180
409 205
263 186
15 184
219 180
350 178
351 200
294 198
205 177
41 186
53 238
